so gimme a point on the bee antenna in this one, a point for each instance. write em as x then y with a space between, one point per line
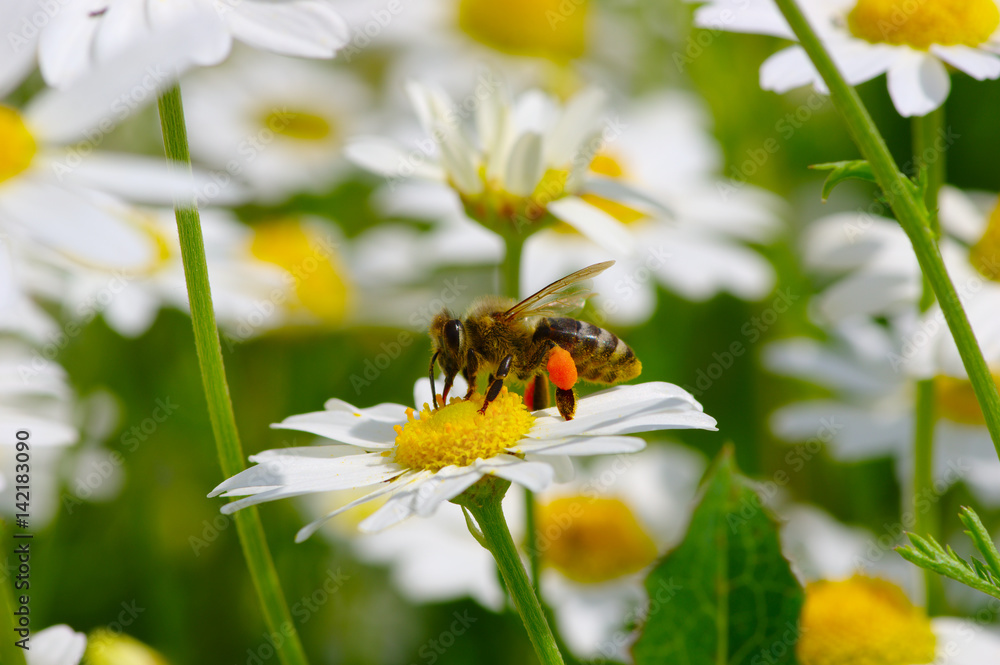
434 397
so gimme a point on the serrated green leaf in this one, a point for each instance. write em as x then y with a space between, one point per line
981 538
726 595
857 169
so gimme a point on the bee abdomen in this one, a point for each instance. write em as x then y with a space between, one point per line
600 356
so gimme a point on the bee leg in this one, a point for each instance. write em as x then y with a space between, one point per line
470 372
497 383
566 402
536 395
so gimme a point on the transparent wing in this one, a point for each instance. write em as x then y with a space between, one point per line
559 297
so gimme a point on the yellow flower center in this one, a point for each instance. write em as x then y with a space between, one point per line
593 540
926 22
956 400
862 621
17 145
320 282
497 207
985 254
553 29
298 125
105 647
457 434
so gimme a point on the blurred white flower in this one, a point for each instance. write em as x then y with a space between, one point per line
56 645
421 460
913 44
83 35
874 266
870 370
856 610
527 165
278 123
696 247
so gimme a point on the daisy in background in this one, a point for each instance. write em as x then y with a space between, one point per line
912 43
526 166
870 371
856 609
277 123
693 245
83 35
419 460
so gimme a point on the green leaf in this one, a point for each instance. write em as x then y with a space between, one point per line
857 169
726 595
928 553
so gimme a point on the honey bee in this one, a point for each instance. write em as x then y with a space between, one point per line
504 337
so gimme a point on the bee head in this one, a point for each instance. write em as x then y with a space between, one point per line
448 339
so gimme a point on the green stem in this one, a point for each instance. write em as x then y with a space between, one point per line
908 211
926 130
213 376
511 266
491 521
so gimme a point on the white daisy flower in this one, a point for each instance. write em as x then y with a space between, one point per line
56 645
911 43
83 35
421 460
696 249
278 123
861 618
874 265
527 165
50 169
870 412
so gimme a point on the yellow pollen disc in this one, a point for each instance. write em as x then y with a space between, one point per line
956 400
320 281
985 254
592 540
553 29
105 647
298 125
17 145
862 621
457 434
921 24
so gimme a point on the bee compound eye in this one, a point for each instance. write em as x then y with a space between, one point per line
453 334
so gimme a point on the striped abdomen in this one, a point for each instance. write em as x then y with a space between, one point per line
599 355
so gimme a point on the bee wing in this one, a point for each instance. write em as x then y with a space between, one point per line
561 296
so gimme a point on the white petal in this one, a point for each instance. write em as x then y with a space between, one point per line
294 475
625 409
960 215
306 28
422 498
918 84
387 158
759 19
965 642
561 464
850 433
596 224
978 64
92 105
579 120
869 293
524 166
536 476
400 482
366 428
582 445
787 69
22 37
56 645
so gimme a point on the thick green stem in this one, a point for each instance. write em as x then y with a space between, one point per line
213 376
511 266
491 522
931 158
908 211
